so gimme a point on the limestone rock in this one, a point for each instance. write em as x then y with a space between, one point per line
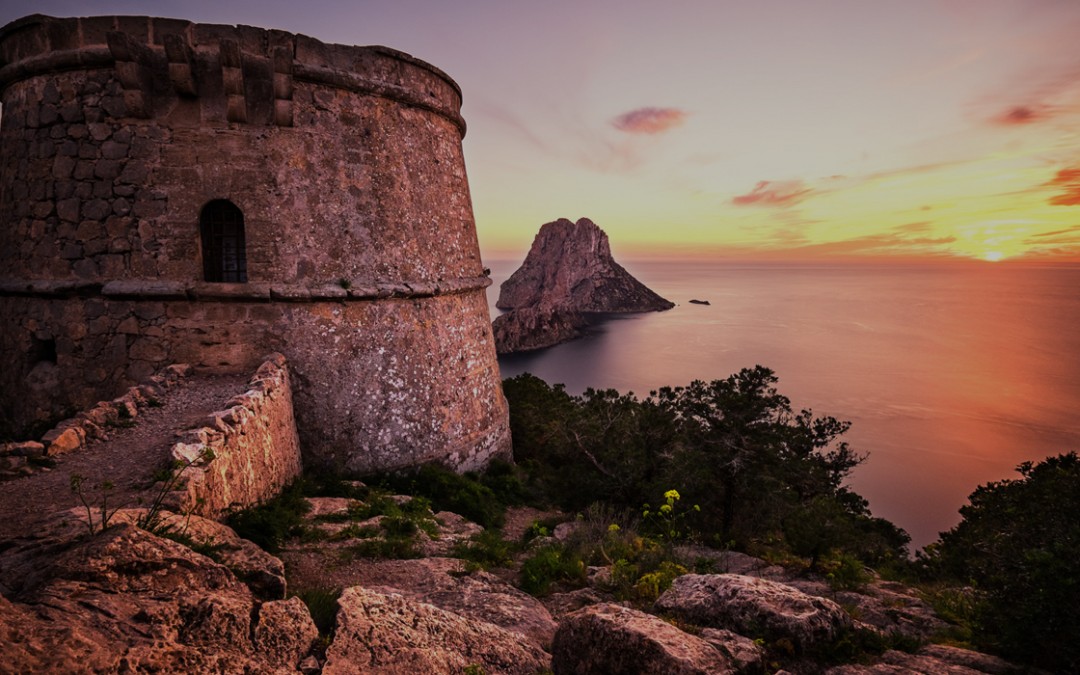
743 652
751 606
452 531
618 640
561 604
570 264
126 600
262 572
568 273
60 441
387 633
285 631
884 606
936 659
538 327
441 582
956 656
729 562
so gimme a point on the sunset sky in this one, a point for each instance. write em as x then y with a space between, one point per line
796 129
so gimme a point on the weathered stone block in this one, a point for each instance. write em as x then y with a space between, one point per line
114 150
23 449
60 441
68 209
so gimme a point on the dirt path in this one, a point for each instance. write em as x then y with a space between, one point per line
128 459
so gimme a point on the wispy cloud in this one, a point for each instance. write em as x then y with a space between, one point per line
774 193
1073 233
1067 180
649 120
886 243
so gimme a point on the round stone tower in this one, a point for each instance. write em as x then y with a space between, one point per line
179 192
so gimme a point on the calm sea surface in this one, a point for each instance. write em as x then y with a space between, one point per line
951 375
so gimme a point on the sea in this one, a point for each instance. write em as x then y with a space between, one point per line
951 374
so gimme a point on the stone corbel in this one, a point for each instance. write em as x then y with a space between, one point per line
232 75
283 86
181 74
131 58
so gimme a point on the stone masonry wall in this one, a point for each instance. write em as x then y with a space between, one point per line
362 261
253 449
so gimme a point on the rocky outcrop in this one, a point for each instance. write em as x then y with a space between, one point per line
886 607
126 600
618 640
530 328
936 659
388 633
568 274
754 607
444 583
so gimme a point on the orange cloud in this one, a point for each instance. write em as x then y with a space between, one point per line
649 120
1067 180
1023 114
774 193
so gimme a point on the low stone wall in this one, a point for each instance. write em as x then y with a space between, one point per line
244 454
22 458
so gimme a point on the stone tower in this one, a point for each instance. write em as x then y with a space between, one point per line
179 192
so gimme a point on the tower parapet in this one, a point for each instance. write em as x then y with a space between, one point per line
180 192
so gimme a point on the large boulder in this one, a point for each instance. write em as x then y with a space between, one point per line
388 633
263 573
755 608
443 582
617 640
126 600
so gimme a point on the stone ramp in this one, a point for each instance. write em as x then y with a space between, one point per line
128 458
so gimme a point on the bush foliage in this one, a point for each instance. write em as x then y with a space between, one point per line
752 468
1018 545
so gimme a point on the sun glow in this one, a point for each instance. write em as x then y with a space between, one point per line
993 256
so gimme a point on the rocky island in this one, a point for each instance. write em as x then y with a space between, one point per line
568 275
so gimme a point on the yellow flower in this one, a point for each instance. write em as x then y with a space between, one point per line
671 494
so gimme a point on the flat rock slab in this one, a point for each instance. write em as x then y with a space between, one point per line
388 633
755 608
617 640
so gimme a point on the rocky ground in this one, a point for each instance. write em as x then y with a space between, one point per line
126 455
128 600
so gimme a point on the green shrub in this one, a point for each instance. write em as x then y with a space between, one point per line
845 572
331 484
322 603
391 548
1018 544
550 565
485 550
270 524
650 585
448 491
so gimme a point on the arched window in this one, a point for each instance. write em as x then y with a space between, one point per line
222 228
